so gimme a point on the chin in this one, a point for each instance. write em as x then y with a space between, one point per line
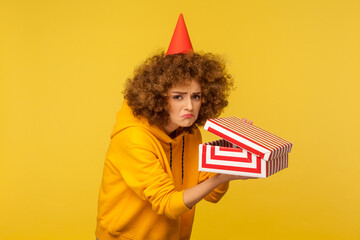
187 124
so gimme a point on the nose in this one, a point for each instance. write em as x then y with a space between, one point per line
189 104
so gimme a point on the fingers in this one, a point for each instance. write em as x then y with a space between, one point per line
239 177
245 120
245 178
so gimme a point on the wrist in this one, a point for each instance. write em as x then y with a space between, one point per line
221 178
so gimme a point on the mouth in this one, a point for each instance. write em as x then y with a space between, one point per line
188 115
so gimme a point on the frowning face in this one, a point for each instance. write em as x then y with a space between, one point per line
184 105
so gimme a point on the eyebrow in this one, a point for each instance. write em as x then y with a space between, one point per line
186 92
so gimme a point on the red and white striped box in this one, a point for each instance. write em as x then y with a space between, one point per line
244 149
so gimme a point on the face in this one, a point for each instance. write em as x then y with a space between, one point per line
184 105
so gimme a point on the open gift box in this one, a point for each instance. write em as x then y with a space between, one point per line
244 149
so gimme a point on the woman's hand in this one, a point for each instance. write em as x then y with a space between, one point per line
245 120
228 177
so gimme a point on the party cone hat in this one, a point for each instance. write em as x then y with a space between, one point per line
180 41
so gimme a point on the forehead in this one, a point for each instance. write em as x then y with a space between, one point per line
192 86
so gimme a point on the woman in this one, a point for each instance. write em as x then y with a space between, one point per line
151 181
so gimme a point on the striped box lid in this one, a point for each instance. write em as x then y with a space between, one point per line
249 137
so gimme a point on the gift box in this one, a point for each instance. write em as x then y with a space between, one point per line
244 149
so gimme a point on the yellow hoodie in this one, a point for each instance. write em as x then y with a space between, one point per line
141 197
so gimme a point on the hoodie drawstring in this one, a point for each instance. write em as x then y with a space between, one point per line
182 159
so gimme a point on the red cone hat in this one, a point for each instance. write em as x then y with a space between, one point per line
180 41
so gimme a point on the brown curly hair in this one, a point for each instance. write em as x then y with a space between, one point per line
147 91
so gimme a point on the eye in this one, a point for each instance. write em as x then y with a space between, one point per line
196 96
177 97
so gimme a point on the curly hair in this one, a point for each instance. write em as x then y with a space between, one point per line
147 91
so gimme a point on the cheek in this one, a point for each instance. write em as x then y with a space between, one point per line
198 106
173 107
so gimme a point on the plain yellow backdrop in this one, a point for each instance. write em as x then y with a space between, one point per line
296 65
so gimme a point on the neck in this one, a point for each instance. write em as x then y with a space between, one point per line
170 128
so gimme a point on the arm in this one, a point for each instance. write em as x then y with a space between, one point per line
194 194
133 155
216 194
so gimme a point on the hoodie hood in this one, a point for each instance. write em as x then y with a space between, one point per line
125 119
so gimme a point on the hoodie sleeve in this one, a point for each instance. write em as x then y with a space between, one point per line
134 155
218 192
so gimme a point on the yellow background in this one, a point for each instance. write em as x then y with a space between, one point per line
296 64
